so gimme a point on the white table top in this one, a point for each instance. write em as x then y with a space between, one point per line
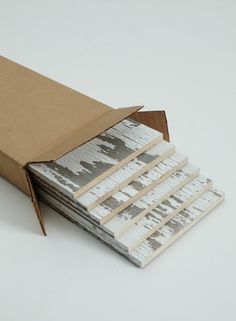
178 56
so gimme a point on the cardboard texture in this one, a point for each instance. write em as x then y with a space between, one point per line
154 119
41 120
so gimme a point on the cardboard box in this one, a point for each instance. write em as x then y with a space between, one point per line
41 120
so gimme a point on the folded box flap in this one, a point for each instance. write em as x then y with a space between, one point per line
155 119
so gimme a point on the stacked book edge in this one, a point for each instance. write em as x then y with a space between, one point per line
129 188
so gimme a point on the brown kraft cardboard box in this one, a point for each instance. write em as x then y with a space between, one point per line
41 120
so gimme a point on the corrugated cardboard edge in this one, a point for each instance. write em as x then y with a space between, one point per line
35 203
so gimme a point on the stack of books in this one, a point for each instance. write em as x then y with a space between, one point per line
129 188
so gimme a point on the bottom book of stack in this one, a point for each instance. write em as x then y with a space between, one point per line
139 214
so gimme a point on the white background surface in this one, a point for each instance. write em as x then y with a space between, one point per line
172 55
